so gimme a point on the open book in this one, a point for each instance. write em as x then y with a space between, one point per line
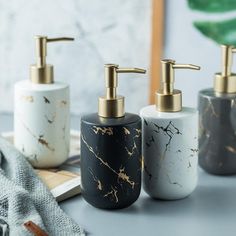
64 181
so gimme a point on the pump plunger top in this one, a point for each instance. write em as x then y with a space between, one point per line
41 72
169 99
112 105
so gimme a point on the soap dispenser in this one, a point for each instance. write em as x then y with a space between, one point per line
42 112
170 140
111 149
217 120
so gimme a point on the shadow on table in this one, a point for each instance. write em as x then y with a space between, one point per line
205 201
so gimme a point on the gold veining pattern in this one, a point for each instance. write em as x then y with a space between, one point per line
130 153
103 130
134 146
45 143
99 183
139 131
121 175
112 194
126 131
231 149
39 138
142 163
27 98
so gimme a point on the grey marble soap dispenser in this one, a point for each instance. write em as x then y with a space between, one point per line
217 120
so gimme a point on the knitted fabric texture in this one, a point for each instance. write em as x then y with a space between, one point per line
24 197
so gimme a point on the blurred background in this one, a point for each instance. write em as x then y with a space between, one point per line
117 31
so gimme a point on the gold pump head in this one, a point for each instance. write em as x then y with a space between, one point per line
225 82
42 73
112 105
169 99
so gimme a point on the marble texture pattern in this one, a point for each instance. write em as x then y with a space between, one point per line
105 33
42 123
170 151
217 132
111 160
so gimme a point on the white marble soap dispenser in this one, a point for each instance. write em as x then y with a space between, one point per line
170 141
42 113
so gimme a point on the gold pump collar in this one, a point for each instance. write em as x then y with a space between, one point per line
41 72
167 98
112 105
225 82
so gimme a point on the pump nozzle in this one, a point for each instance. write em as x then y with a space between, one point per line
41 72
130 70
112 105
169 99
225 82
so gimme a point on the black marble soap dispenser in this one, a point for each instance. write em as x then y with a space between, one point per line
217 120
111 149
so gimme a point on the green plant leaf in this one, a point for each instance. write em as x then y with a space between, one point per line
223 32
212 6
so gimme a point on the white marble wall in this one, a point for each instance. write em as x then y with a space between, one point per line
106 31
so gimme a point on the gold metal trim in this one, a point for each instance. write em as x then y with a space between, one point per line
41 72
225 82
167 98
112 105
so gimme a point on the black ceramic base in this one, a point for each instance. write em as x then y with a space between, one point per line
217 132
110 160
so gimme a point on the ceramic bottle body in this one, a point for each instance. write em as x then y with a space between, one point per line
217 132
170 150
42 122
111 160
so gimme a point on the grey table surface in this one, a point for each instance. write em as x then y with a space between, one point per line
210 210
